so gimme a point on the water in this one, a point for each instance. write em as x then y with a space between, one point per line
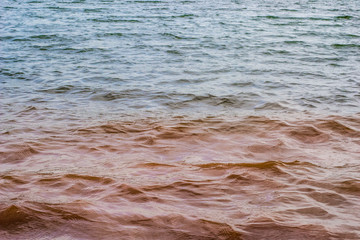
179 119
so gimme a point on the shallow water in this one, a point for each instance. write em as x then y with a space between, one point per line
179 119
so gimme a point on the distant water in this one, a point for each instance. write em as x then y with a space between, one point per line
176 119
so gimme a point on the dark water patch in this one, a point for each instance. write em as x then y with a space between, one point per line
345 17
314 211
110 96
183 189
351 187
52 36
66 89
184 81
345 46
113 34
351 35
9 73
295 42
271 17
335 65
17 155
329 198
27 110
112 129
276 52
59 90
132 194
149 2
289 10
295 18
319 19
14 180
63 214
87 50
186 16
59 9
154 165
176 37
21 39
186 2
243 84
78 1
94 10
309 135
272 166
13 217
3 38
331 25
95 179
115 20
217 100
175 52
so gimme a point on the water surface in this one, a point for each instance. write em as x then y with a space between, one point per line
179 119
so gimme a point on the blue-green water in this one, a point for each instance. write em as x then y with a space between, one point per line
84 58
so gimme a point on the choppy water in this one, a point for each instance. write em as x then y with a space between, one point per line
179 119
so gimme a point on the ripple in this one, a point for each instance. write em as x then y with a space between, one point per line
179 120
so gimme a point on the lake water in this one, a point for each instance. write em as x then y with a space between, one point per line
170 119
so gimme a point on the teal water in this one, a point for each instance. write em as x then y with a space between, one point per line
85 58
